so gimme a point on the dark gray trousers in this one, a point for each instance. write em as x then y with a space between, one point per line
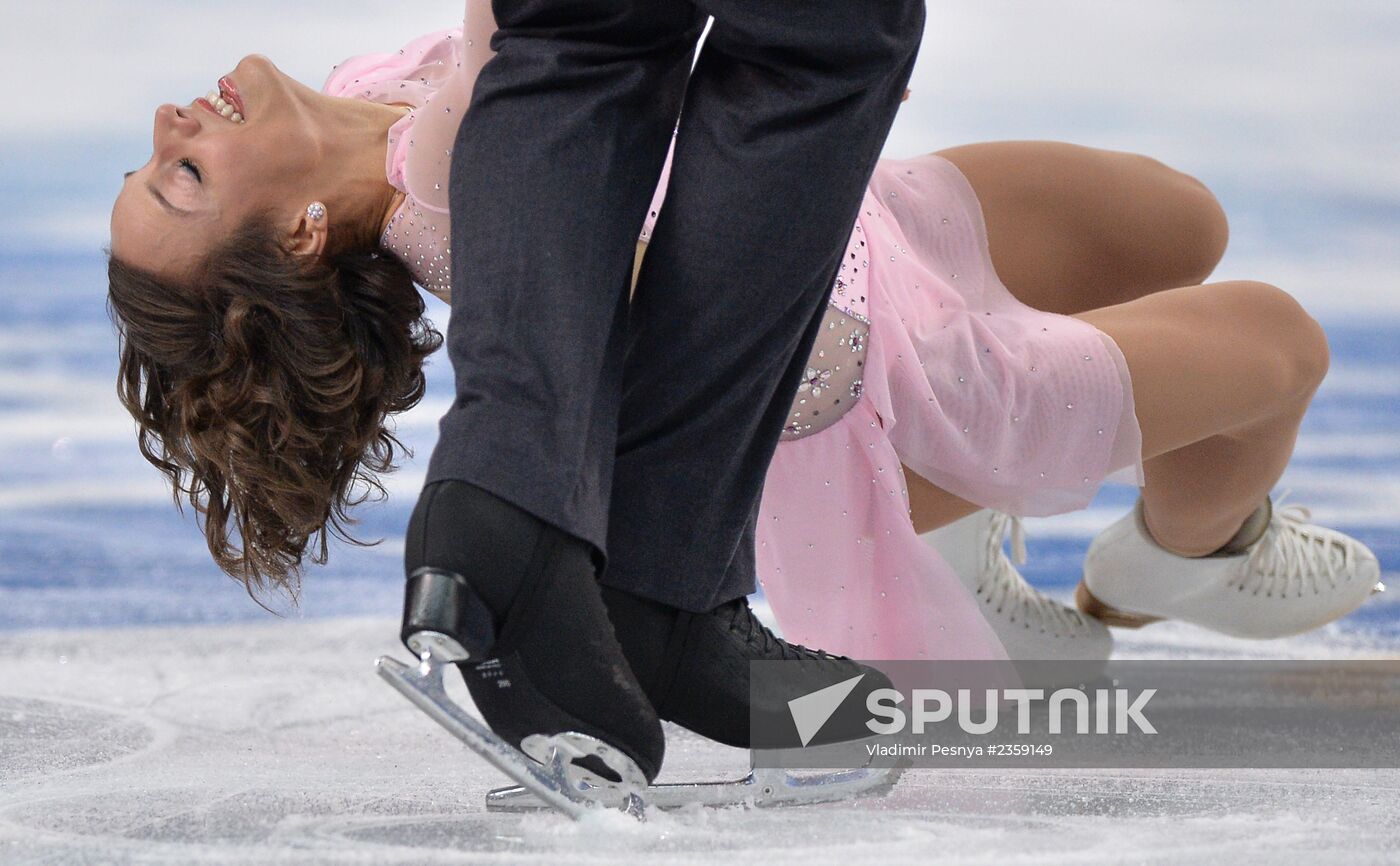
647 428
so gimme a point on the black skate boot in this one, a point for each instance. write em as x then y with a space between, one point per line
515 602
695 669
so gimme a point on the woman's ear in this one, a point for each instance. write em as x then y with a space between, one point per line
310 232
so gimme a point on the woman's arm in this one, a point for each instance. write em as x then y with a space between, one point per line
478 23
637 267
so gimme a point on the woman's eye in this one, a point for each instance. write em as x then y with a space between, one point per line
193 169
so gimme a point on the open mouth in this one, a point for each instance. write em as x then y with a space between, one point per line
225 101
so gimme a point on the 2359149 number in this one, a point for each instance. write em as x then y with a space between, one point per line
1016 750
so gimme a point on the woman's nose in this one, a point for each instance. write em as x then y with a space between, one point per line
172 121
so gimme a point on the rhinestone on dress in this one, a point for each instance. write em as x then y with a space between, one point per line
814 381
818 402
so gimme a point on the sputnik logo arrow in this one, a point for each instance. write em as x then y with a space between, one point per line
811 711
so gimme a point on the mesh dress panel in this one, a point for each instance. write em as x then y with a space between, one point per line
832 381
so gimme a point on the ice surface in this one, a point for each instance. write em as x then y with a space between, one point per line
277 743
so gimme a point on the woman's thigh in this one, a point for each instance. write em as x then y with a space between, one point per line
1230 358
1073 228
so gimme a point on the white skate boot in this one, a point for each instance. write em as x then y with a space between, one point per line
1031 626
1296 577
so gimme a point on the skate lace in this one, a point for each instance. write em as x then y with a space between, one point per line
1293 556
1003 588
743 621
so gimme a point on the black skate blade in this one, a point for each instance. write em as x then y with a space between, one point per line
552 784
763 787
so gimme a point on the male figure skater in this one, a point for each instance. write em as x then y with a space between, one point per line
561 488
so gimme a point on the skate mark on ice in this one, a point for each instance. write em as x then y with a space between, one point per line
45 737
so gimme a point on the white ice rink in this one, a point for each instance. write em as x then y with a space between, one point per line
276 743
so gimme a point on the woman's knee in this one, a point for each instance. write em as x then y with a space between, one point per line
1283 328
1192 227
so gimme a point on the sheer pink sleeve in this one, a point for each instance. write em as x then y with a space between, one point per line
429 160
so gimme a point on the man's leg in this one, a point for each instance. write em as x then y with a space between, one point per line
553 167
552 171
785 115
784 118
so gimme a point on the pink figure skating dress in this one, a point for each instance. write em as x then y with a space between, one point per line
924 360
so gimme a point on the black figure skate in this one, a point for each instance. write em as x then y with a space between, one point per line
576 736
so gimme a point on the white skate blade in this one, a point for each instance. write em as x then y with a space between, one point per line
556 783
762 787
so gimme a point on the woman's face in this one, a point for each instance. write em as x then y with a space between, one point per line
208 172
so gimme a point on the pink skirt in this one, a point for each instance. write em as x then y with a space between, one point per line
1000 404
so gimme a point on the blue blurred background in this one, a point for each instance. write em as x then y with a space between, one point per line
1285 108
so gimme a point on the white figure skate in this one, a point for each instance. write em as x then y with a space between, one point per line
1030 625
1296 577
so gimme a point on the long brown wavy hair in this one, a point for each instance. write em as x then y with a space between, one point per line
263 387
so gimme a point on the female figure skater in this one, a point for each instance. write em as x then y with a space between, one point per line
1012 324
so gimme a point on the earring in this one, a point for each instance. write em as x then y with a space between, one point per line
316 211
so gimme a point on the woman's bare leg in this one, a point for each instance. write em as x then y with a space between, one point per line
1073 228
1222 375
